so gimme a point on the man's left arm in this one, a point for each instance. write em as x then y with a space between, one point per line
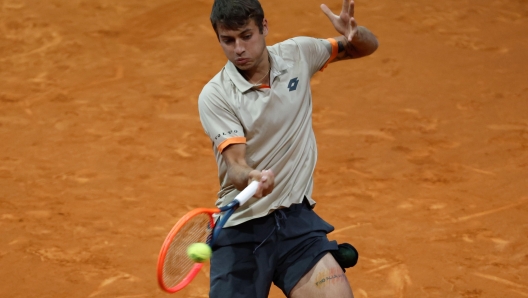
355 41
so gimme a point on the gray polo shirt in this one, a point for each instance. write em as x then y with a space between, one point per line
275 123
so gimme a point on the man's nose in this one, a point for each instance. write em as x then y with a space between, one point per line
239 47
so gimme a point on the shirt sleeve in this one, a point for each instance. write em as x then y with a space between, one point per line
218 119
318 52
334 50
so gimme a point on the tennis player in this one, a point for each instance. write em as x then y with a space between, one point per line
258 113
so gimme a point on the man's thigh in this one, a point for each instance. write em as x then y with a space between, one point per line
235 273
325 280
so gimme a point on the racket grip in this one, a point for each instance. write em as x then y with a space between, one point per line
247 193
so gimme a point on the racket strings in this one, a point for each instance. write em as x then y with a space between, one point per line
177 264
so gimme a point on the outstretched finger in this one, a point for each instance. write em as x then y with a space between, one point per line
351 8
327 11
346 6
353 30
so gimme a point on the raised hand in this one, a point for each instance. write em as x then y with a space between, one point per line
344 23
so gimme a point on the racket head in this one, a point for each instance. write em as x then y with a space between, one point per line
175 269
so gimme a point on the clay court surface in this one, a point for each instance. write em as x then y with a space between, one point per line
423 147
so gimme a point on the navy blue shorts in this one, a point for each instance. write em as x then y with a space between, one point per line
280 248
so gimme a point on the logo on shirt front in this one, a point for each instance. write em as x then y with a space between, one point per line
292 85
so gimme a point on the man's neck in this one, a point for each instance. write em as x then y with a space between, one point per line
260 74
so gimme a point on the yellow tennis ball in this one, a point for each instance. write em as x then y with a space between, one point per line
199 252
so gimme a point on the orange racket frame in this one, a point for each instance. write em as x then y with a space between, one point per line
215 228
168 240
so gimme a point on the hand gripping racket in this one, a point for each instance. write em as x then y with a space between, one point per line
175 269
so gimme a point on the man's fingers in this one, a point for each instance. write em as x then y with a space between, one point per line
351 8
346 5
266 175
270 175
327 12
353 32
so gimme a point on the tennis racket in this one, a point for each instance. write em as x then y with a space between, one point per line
175 269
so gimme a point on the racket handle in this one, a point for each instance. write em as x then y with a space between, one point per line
247 193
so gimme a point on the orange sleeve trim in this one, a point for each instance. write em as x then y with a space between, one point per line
335 48
230 141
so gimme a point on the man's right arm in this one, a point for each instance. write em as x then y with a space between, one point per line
241 174
225 131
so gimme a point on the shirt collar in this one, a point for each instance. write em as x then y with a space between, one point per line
278 67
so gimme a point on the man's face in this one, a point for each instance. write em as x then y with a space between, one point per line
245 46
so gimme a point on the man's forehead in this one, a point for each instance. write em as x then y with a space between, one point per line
248 26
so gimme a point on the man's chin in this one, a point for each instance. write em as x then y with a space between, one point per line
242 67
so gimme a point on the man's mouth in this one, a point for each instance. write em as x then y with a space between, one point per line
241 60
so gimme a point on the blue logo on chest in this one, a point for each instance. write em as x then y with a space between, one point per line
292 85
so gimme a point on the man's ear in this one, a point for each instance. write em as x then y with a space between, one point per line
265 27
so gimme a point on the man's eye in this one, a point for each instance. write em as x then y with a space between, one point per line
247 37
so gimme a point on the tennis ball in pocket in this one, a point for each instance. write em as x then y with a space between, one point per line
199 252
